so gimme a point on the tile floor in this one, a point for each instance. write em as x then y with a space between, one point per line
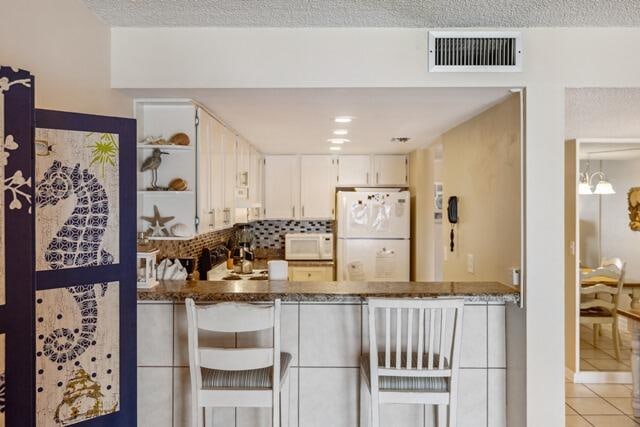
601 357
599 405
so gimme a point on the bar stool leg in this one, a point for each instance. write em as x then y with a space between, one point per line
284 403
442 415
208 417
364 413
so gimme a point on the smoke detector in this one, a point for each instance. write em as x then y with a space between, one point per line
400 139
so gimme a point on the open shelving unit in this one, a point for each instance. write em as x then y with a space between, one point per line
163 147
164 118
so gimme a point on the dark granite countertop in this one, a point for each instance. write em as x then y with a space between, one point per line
261 263
267 290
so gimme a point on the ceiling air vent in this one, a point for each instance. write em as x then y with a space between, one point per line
475 51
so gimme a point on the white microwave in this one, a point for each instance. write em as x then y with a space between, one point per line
308 246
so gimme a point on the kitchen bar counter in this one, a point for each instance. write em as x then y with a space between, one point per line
267 290
324 327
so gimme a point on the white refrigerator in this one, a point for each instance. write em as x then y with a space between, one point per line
373 235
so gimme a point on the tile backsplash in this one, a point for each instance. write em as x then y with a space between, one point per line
192 248
270 233
269 236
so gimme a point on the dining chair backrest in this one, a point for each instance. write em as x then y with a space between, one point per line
232 318
612 262
433 352
599 290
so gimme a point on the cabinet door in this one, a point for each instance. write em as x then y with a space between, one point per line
317 187
206 125
217 183
255 183
243 153
354 170
229 153
311 274
281 187
390 170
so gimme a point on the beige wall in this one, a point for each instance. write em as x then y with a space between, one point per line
571 338
421 178
68 50
481 165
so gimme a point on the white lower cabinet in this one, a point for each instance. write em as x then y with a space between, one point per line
311 274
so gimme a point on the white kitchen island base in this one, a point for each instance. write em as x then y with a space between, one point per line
326 340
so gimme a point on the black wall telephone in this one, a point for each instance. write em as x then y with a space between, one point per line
452 214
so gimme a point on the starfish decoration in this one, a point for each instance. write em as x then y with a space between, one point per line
157 227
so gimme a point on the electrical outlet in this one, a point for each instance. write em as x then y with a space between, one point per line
470 263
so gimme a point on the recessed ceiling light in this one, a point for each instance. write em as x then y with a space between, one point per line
335 148
343 119
340 132
338 140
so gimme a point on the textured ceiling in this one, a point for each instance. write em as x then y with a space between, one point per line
368 13
285 121
610 151
602 113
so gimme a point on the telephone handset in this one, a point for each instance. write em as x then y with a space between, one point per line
452 214
452 209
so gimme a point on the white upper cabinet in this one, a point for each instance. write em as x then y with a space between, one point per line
217 184
317 187
210 173
390 170
243 160
354 170
229 159
282 177
256 169
206 138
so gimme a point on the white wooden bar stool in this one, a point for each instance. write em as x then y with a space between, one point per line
237 377
422 370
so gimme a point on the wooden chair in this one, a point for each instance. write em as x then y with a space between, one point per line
599 302
237 377
425 370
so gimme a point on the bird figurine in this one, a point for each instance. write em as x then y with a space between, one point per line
152 163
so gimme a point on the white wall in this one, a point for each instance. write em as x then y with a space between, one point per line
604 220
554 59
589 227
67 48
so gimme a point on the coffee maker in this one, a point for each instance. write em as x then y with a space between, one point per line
242 253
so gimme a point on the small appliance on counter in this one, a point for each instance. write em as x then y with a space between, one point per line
244 237
240 266
308 246
278 270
